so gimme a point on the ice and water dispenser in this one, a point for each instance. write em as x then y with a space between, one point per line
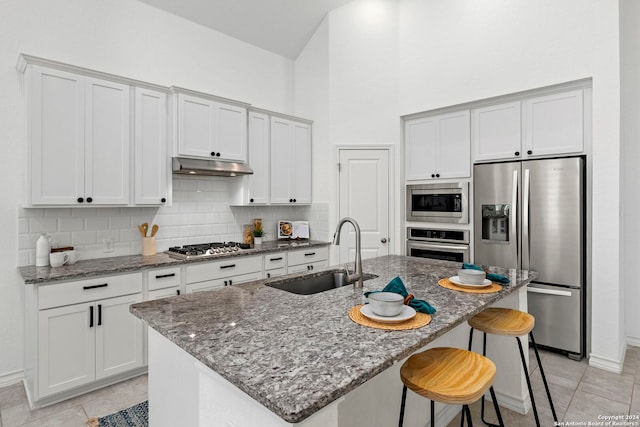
495 223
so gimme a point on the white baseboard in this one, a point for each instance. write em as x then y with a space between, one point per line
11 378
605 363
633 341
513 403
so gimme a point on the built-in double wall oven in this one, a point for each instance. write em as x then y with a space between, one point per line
442 244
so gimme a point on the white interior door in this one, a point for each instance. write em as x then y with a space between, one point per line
364 196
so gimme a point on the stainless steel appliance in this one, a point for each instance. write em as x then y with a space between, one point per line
206 250
438 202
448 245
531 215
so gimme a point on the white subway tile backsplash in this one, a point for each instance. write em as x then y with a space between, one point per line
43 224
200 213
84 237
71 224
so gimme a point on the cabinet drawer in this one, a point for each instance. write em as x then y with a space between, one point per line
59 294
164 278
232 266
221 283
276 260
163 293
308 256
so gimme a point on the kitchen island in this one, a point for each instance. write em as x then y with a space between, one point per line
255 355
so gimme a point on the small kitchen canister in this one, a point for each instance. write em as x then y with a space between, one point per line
43 248
148 245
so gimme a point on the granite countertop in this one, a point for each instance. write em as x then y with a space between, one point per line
296 354
123 264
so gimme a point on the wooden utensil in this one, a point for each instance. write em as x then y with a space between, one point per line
154 229
145 227
142 230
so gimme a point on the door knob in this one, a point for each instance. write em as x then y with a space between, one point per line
383 240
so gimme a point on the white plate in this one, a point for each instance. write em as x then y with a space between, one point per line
406 314
456 281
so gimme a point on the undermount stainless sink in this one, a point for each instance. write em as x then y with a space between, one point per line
316 282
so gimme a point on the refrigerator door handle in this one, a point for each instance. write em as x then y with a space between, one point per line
526 247
513 226
549 292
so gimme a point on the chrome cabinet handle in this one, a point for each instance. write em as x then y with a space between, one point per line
526 249
513 231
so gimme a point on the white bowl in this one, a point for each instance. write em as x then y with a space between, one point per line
386 303
472 277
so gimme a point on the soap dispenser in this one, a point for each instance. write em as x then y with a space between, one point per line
43 247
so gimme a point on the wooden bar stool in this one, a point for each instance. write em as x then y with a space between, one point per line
511 323
449 375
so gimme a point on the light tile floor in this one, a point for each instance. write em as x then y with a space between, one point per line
581 393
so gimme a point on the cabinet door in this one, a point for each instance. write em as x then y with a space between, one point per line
281 161
554 124
301 167
150 147
57 137
66 348
230 136
258 183
107 125
195 126
497 133
118 336
421 139
454 146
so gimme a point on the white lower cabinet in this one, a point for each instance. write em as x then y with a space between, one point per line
218 274
307 260
84 333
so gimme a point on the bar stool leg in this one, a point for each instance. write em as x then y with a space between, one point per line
544 378
526 375
496 407
433 414
404 398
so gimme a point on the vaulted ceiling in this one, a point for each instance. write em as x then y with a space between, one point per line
280 26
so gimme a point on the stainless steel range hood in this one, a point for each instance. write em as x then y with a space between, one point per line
186 166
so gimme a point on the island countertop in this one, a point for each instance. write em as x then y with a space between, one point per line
295 354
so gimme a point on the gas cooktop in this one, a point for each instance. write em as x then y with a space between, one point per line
205 250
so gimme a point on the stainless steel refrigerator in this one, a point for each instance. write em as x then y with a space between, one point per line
531 215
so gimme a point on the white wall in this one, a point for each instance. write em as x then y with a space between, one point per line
456 51
630 138
131 39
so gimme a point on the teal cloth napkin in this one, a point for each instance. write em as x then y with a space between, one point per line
491 276
397 286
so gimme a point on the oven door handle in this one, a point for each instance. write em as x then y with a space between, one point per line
452 248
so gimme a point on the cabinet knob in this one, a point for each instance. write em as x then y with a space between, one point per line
517 153
213 154
89 200
437 175
217 154
529 152
294 200
163 200
250 200
80 200
290 200
433 175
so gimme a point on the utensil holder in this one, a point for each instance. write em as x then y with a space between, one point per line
148 245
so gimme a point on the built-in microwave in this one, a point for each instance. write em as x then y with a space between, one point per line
438 202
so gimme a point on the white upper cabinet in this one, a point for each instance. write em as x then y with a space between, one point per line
542 126
257 184
438 147
79 139
554 124
211 129
496 131
290 161
150 140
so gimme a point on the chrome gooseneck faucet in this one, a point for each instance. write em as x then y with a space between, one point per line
356 277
